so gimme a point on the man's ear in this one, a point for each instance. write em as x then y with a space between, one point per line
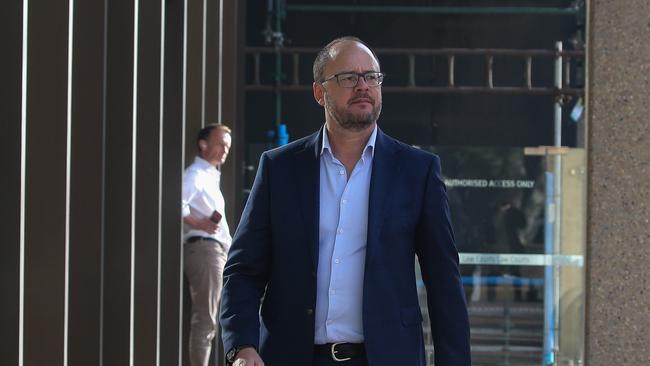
319 93
203 145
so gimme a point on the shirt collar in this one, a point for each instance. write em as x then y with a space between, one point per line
204 164
369 145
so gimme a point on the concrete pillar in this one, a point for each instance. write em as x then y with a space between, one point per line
618 244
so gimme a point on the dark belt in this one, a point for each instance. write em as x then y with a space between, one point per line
192 239
340 351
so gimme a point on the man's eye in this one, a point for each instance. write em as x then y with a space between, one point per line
372 77
348 77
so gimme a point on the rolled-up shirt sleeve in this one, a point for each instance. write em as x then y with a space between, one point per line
190 189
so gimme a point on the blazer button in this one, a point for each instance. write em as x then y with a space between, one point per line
310 311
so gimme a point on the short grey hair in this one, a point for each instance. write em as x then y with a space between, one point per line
325 55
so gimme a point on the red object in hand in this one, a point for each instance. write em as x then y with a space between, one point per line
215 217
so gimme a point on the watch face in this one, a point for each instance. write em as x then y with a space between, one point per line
230 356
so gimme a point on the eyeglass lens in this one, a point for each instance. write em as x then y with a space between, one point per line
351 80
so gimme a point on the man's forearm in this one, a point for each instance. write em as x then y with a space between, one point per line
204 224
191 220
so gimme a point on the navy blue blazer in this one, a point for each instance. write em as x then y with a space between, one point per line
274 255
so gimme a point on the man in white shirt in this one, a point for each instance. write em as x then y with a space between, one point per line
206 236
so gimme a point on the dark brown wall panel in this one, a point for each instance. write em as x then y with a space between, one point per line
240 121
194 75
212 63
10 106
118 183
193 116
232 99
171 275
86 185
114 229
147 184
45 206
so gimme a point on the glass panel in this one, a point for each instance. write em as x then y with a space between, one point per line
523 279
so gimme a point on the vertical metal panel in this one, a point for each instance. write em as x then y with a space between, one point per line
193 104
102 198
11 24
45 190
212 63
193 77
86 185
232 103
147 184
66 147
118 184
172 168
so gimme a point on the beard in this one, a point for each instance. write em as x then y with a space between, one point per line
352 121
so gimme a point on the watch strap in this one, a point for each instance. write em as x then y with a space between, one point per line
230 356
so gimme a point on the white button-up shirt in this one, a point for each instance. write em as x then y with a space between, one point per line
343 231
201 197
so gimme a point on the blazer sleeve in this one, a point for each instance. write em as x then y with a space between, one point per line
246 272
439 263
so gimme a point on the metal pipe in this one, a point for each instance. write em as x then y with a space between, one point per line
463 10
529 72
489 61
435 51
278 61
557 195
256 79
567 71
549 287
450 54
411 70
451 63
498 90
296 71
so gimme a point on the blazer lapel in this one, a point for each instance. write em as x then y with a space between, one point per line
384 171
307 173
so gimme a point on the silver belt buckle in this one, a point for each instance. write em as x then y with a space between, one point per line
334 352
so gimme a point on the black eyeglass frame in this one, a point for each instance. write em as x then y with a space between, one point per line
380 78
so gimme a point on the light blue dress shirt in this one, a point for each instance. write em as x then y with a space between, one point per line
343 230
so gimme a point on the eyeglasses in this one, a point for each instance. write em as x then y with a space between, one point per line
351 79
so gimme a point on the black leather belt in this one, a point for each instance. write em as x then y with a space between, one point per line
340 351
192 239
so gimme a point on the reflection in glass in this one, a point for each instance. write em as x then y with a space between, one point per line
498 201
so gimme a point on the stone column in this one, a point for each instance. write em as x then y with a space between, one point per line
618 245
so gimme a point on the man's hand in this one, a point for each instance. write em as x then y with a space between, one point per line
204 224
207 225
248 357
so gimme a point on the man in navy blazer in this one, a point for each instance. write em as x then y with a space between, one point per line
327 241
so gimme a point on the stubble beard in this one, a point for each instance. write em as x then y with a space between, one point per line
351 121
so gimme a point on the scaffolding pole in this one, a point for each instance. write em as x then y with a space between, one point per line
553 233
549 286
460 10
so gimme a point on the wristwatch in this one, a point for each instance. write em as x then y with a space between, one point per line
230 356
